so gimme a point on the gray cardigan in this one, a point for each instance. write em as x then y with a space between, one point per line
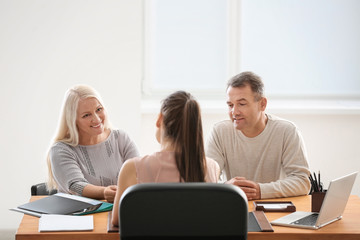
75 167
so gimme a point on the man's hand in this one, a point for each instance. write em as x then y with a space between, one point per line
251 189
109 193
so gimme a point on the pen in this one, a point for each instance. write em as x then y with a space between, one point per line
312 188
313 184
320 187
316 183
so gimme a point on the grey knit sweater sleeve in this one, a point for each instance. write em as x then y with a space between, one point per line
75 167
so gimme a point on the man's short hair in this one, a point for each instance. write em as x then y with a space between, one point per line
248 78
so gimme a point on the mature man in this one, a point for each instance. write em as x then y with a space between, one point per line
262 154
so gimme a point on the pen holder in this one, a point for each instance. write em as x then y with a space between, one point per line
317 199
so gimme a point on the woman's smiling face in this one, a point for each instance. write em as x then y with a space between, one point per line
90 118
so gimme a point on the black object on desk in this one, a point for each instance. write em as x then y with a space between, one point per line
274 206
317 192
316 184
59 203
258 222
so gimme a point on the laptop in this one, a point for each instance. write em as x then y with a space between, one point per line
331 210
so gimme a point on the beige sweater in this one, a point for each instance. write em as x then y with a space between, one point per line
276 158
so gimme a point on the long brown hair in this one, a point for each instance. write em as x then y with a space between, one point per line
183 126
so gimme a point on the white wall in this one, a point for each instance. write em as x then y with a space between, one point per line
313 43
46 47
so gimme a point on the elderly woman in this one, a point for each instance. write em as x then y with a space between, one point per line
87 154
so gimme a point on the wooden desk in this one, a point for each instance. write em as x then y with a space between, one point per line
346 228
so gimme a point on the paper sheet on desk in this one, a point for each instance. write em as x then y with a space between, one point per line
274 206
54 222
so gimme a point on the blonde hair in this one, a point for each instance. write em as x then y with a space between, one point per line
67 131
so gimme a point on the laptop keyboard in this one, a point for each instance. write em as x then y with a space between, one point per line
308 220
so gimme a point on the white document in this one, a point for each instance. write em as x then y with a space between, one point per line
274 205
54 222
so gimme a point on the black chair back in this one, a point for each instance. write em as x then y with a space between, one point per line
40 189
183 211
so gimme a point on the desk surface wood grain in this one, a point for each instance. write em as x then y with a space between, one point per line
346 228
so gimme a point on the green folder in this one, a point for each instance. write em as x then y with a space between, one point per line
105 206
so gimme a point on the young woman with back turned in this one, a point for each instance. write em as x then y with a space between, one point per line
182 157
87 154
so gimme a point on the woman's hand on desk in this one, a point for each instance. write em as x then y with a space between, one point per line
250 188
109 193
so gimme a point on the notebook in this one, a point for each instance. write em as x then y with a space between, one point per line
55 223
331 210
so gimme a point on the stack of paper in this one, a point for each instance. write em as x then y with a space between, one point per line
54 222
